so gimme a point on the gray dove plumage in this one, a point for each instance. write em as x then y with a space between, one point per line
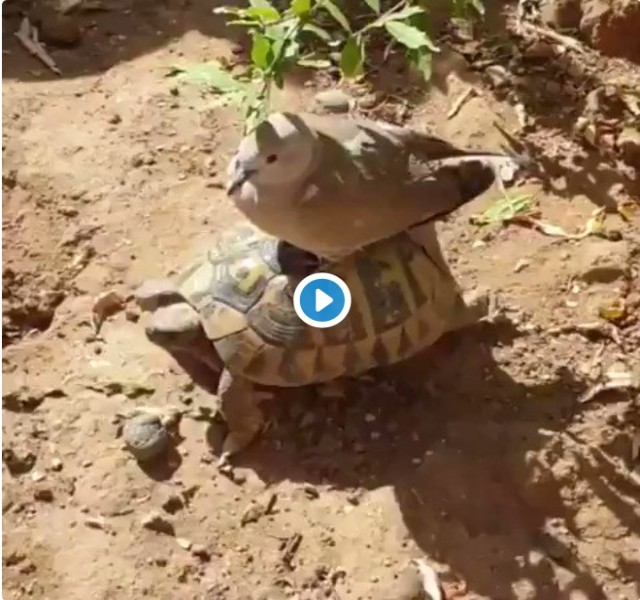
331 185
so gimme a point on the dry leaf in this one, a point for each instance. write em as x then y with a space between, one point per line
594 226
613 311
627 209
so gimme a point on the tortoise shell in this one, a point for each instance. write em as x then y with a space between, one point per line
402 302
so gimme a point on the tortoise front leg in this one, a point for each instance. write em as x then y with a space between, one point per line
239 406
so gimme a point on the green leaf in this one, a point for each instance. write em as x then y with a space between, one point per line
261 4
409 36
292 50
263 13
374 5
318 31
405 13
301 7
477 4
422 59
210 75
336 13
261 53
352 58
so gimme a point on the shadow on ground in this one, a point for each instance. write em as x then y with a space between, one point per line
464 460
112 31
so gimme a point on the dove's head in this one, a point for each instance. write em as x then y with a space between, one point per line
280 151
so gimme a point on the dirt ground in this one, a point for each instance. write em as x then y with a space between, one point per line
507 467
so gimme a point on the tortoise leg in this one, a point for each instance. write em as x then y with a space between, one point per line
473 305
239 405
177 329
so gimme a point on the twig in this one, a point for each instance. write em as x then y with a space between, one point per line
27 35
459 102
554 36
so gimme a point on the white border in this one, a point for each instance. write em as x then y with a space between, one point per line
322 324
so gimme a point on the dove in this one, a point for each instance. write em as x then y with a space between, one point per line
331 185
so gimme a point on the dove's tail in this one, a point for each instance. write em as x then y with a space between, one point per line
473 174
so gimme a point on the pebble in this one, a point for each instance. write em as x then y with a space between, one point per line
629 144
497 74
37 476
114 119
184 543
56 464
334 101
156 522
369 101
145 436
43 494
522 264
310 491
200 551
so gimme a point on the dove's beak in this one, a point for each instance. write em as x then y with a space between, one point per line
238 177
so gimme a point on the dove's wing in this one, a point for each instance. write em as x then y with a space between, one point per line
374 181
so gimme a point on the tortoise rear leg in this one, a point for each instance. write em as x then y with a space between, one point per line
239 405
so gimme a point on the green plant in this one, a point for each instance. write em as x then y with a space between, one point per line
309 33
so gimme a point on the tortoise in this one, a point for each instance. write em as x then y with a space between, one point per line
233 312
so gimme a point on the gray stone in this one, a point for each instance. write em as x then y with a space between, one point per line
145 436
334 101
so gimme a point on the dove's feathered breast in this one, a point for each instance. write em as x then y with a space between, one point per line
368 181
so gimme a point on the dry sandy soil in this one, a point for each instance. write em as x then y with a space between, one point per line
496 468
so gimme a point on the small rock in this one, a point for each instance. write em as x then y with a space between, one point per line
114 119
43 494
96 523
37 476
145 436
184 543
201 552
310 491
334 101
629 144
497 74
56 464
369 101
156 522
354 497
540 49
137 161
522 264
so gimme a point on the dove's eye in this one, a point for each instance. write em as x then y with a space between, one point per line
272 158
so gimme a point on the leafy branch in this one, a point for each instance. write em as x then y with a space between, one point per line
308 33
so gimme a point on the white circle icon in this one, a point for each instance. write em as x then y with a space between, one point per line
322 300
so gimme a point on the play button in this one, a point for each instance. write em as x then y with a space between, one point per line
322 300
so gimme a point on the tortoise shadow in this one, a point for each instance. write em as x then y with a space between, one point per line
463 458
